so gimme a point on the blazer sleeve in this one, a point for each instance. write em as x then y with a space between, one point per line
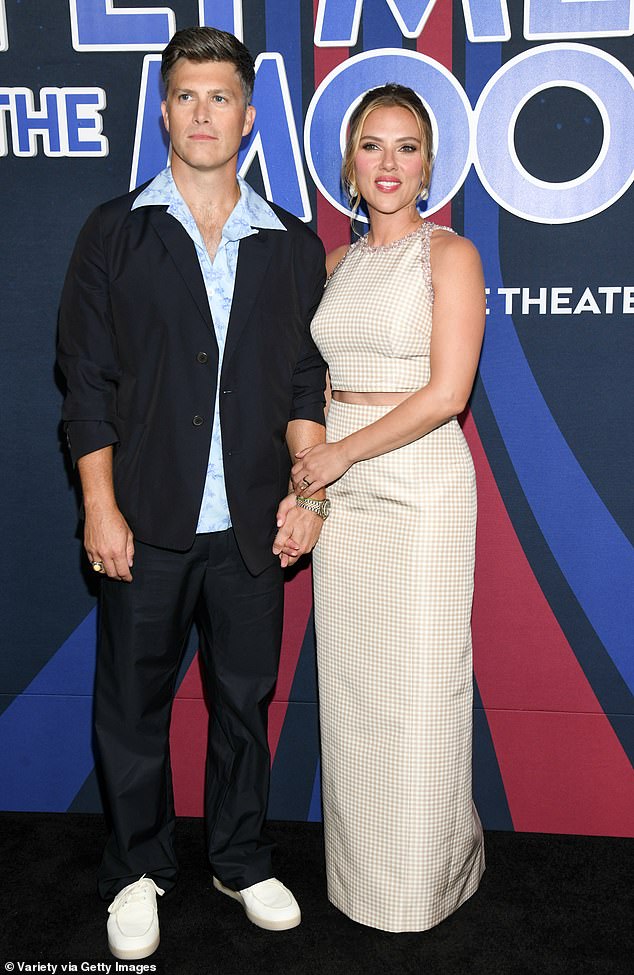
87 352
309 377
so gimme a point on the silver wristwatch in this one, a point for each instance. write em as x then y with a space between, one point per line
321 508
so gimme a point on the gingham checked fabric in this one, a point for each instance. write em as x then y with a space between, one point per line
393 577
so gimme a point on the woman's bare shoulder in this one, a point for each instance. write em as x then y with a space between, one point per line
335 257
448 246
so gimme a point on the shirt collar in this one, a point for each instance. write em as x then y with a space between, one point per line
250 213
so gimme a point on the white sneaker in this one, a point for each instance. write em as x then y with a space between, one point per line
133 928
268 904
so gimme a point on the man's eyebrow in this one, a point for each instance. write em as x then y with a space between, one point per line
210 91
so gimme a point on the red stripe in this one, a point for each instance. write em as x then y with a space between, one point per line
188 732
188 744
563 767
332 226
298 601
564 772
436 42
437 36
189 718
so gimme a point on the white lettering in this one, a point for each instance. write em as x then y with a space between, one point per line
560 302
609 298
578 66
97 25
554 19
67 123
508 294
223 14
587 302
337 23
540 302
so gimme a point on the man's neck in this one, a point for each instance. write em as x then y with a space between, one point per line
211 192
211 197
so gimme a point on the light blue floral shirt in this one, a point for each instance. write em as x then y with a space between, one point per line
250 213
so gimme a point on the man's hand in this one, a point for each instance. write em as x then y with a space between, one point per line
108 539
298 531
107 535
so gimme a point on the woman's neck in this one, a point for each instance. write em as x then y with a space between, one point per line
385 228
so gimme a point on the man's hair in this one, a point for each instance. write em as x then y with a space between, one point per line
201 44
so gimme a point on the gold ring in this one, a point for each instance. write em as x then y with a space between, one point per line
98 566
306 481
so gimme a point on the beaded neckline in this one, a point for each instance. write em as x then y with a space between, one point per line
427 227
395 243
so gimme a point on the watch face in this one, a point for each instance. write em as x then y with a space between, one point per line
326 508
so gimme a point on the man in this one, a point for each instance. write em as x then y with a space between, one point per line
192 379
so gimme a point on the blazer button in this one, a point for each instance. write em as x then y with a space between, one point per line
198 421
202 357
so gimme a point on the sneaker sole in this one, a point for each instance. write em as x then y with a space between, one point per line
254 919
133 954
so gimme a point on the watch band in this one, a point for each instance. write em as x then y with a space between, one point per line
321 508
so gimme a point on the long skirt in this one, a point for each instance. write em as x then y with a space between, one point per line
393 575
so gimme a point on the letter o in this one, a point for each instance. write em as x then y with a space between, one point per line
602 78
444 98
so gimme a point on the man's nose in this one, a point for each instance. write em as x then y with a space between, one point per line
202 112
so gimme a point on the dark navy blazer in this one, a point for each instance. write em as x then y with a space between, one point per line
138 350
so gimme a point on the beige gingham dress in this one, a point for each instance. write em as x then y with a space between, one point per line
393 575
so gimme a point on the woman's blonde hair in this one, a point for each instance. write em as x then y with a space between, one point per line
387 96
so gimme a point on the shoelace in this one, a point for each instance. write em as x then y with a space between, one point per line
136 892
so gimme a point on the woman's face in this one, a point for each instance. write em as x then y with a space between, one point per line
388 164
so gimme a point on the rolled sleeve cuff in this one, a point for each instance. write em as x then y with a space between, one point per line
86 436
310 411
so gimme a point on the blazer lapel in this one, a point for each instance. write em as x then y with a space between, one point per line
254 257
183 252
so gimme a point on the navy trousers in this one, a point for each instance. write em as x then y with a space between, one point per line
143 632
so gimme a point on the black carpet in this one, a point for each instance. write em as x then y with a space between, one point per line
547 905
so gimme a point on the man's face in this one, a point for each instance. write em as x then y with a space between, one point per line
205 115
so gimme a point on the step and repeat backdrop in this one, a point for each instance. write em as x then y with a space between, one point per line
532 104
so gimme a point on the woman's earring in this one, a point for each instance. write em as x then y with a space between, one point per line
354 198
423 193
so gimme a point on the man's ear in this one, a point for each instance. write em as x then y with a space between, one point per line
165 115
249 119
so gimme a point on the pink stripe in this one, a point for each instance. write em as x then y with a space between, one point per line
435 42
563 767
437 36
298 596
332 226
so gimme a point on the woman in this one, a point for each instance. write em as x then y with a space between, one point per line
400 326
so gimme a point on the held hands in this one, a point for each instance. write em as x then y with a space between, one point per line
318 466
298 528
298 531
109 541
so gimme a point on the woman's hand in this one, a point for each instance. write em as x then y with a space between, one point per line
319 466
